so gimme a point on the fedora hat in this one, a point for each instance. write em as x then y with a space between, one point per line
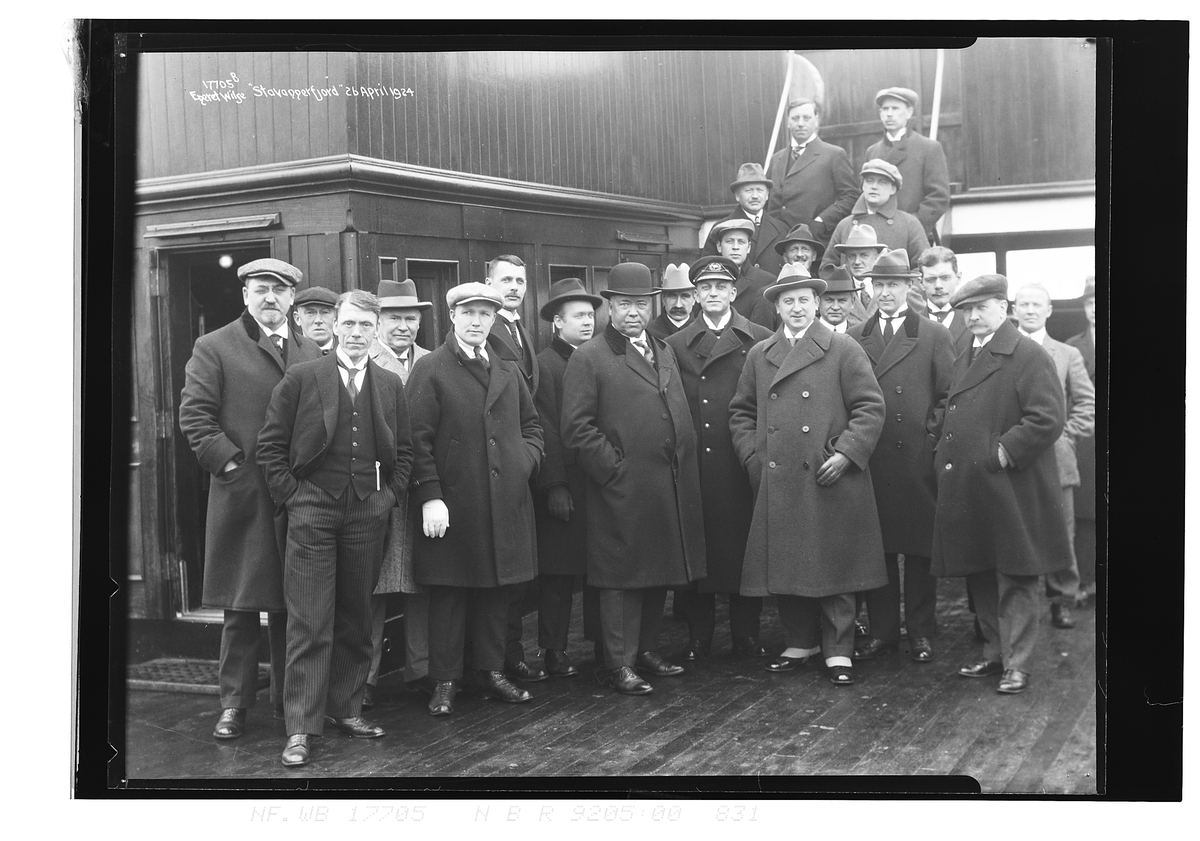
906 95
750 174
860 236
794 276
400 295
675 279
567 289
632 279
980 289
727 225
473 290
715 268
839 279
892 264
879 166
800 233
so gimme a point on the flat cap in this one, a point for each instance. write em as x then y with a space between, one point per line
632 279
715 268
980 289
465 293
316 295
794 276
905 94
727 225
269 266
881 167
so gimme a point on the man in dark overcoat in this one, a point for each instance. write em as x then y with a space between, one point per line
477 444
752 189
1085 454
227 387
805 419
800 247
999 518
732 241
711 352
560 503
626 416
940 278
678 303
313 312
912 358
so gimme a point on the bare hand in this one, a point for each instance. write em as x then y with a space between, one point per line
832 470
559 502
435 518
229 465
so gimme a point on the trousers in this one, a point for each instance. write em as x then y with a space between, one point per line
630 622
237 668
1007 609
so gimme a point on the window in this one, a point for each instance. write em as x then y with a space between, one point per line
387 268
1061 270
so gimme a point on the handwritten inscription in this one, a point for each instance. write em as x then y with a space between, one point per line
235 91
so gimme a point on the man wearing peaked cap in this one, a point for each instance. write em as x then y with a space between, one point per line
752 189
678 302
313 311
925 191
999 519
732 239
800 247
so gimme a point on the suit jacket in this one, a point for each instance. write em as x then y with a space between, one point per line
922 165
762 247
1085 448
1080 407
820 183
227 387
525 359
750 301
660 327
958 326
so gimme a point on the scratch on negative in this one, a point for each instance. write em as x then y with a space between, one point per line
1159 703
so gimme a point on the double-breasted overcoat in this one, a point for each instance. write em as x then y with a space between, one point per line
631 429
791 403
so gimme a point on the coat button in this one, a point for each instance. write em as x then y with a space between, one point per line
668 442
804 394
899 418
705 400
770 430
356 443
891 221
354 429
947 465
806 465
706 426
899 390
664 417
952 407
804 429
708 449
771 465
949 436
773 395
899 444
703 377
492 441
495 472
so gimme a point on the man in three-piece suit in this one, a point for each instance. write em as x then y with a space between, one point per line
314 316
811 181
912 358
1085 452
1033 307
940 277
752 189
678 303
336 451
221 412
999 519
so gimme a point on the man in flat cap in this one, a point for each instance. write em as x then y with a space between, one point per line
920 160
314 316
751 190
336 451
876 208
1085 451
912 358
999 519
625 414
678 303
395 349
477 444
812 182
940 277
711 352
732 241
228 384
804 420
800 247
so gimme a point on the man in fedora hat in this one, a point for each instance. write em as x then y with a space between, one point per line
560 504
228 384
626 416
678 303
1085 452
876 208
751 190
477 444
313 311
804 421
940 277
711 352
920 160
732 240
800 247
839 306
999 517
395 349
912 359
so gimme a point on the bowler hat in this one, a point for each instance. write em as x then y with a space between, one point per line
750 173
892 264
465 293
675 279
839 279
1089 287
715 268
906 95
567 289
794 276
727 225
316 295
800 233
631 279
881 167
400 295
980 289
271 267
860 236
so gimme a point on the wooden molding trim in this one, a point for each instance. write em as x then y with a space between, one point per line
1021 192
208 226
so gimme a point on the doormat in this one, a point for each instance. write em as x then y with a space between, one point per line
175 675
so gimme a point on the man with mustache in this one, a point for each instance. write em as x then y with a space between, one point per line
678 303
800 247
940 277
751 189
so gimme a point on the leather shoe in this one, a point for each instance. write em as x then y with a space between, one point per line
442 702
920 649
496 685
558 664
296 751
1014 682
424 684
525 673
368 697
277 711
696 650
985 668
627 682
748 647
841 675
874 648
652 662
1060 616
355 726
231 724
783 664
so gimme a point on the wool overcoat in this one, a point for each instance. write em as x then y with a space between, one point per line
711 367
477 444
1085 447
762 246
820 182
562 547
922 164
893 228
1081 407
913 371
1010 520
750 302
791 402
631 428
227 386
661 326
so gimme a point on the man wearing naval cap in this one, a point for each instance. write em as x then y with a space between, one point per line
920 160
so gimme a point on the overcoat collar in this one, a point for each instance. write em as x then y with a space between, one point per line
968 374
637 363
903 342
562 347
887 210
896 151
788 359
258 337
729 341
496 379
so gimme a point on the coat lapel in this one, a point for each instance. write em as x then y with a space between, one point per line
638 364
903 343
810 154
502 378
328 384
969 374
872 340
257 335
383 406
807 351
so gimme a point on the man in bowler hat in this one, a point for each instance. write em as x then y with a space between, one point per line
839 306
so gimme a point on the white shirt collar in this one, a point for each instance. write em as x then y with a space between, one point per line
900 313
981 342
345 360
803 145
469 350
837 328
328 345
678 323
281 330
903 130
720 325
1039 336
511 316
787 332
640 338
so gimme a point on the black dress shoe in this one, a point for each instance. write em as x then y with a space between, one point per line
525 673
696 650
1014 682
355 726
874 648
558 664
920 650
442 702
783 664
496 685
1060 616
231 724
985 668
277 711
627 682
748 647
841 675
368 697
653 663
296 751
424 684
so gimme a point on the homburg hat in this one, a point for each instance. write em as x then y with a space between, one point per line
906 95
715 268
633 279
465 293
860 236
400 295
879 166
567 289
800 233
980 289
750 173
675 278
794 276
839 279
316 295
892 264
271 267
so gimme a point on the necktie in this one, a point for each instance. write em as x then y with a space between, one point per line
644 349
888 332
278 340
796 150
516 334
482 359
350 386
975 351
865 297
